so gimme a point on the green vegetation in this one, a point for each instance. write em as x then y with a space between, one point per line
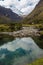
36 16
39 41
5 38
37 62
10 27
35 19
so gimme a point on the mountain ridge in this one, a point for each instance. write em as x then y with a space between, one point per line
36 15
8 14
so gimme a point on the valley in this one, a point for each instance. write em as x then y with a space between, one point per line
21 32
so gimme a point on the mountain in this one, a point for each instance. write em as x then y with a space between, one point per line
8 15
20 7
36 16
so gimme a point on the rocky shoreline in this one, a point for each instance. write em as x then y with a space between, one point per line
25 32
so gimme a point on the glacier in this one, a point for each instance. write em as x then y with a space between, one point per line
21 7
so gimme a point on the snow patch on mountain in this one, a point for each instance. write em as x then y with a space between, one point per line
21 7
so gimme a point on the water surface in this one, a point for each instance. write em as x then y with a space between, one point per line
19 51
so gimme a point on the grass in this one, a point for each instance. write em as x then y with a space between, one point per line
41 32
37 62
10 27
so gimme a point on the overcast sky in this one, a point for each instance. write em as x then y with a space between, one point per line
22 7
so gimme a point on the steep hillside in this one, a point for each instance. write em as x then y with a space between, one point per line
36 15
7 15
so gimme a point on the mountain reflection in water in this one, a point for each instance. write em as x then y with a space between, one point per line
4 38
19 52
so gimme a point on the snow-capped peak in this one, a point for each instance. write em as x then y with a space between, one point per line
21 7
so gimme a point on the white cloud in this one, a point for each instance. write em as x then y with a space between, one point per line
22 7
25 43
